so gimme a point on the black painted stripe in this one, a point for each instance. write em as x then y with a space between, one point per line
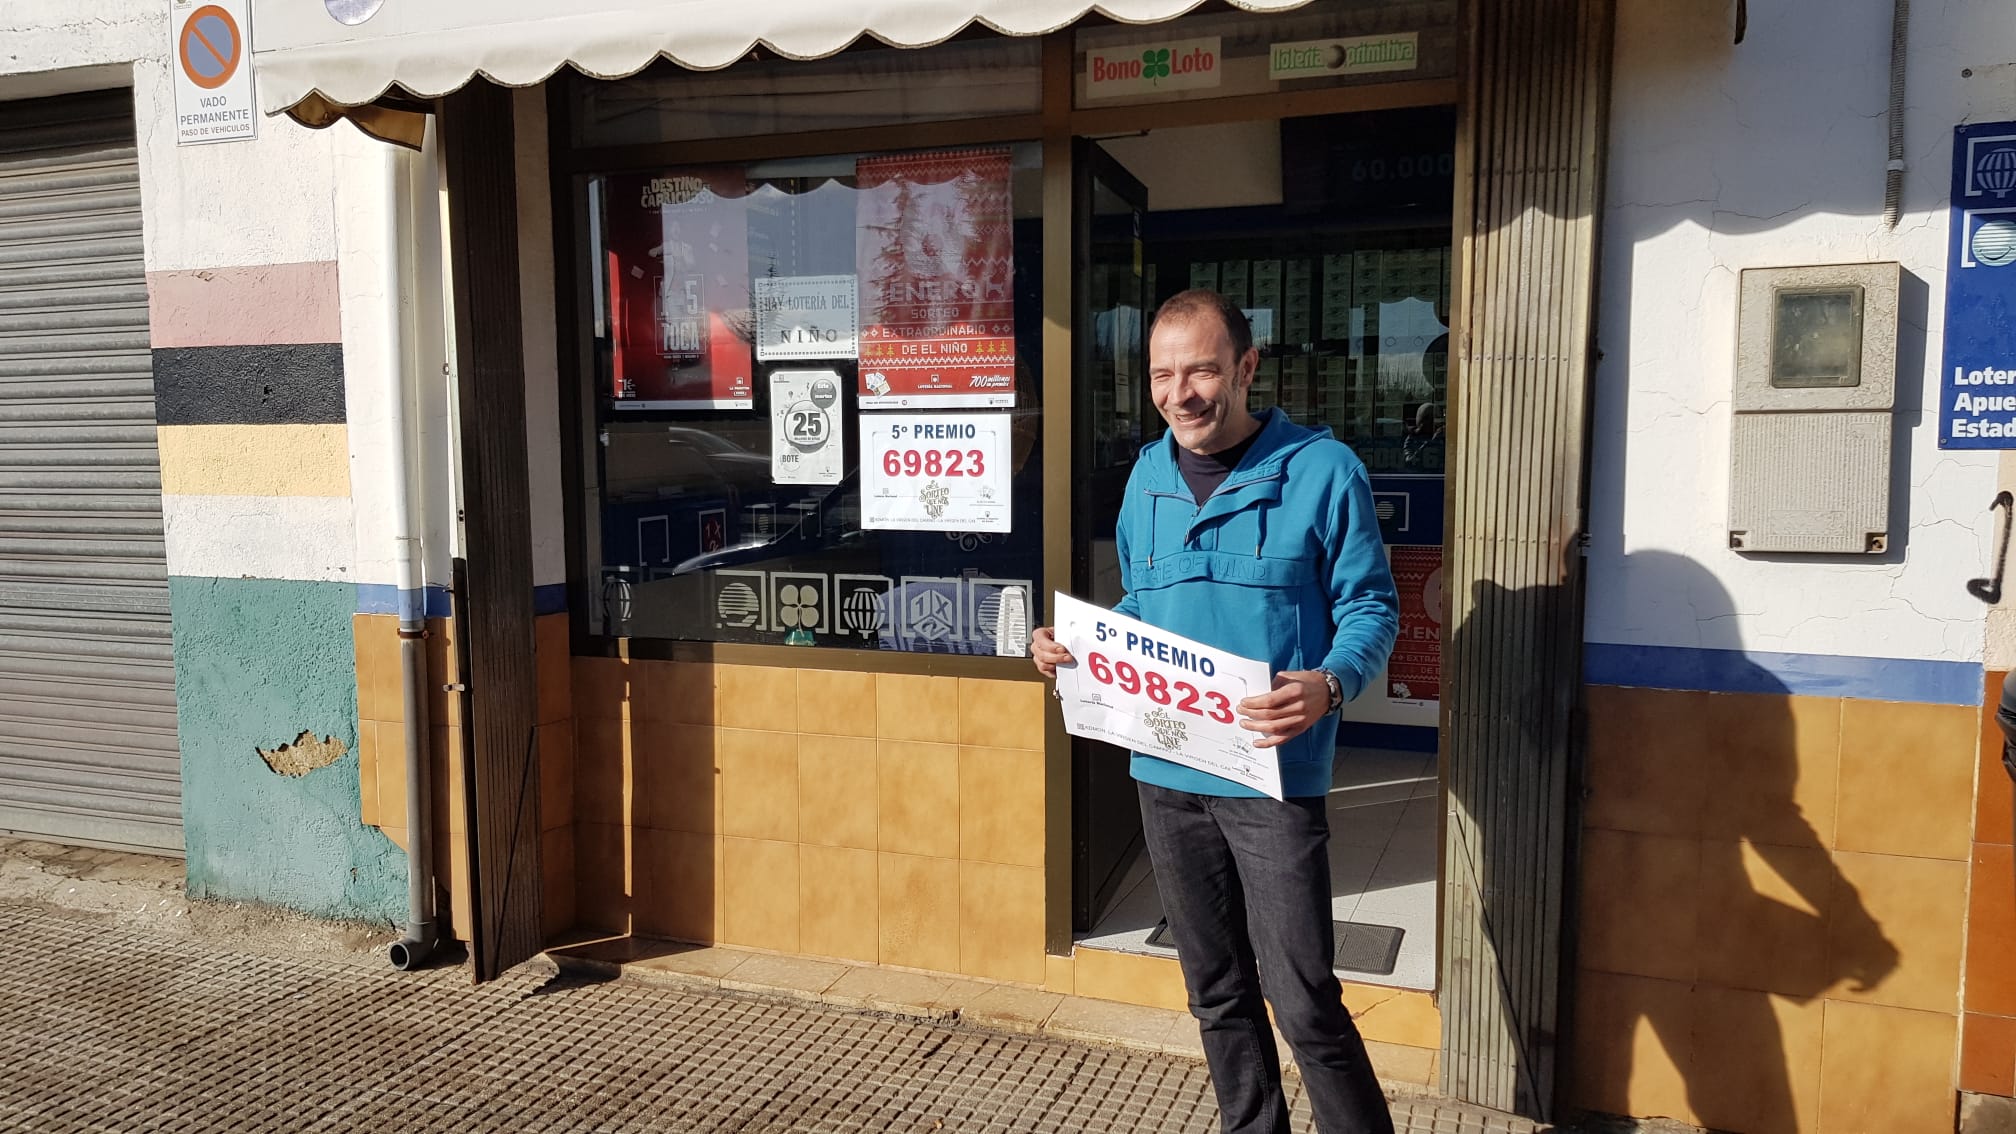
282 384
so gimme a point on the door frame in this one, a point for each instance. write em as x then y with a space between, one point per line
1092 772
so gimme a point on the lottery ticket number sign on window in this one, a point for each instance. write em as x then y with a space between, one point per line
935 472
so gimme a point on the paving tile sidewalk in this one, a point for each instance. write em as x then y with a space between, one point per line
107 1026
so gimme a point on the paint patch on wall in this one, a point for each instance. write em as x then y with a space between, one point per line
306 753
286 384
256 661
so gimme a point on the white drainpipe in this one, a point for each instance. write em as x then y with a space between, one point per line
399 281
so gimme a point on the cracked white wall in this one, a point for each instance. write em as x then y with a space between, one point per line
1764 154
267 201
60 46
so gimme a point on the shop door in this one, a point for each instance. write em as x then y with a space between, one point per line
1112 417
88 750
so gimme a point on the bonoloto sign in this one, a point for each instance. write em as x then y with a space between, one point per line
1154 68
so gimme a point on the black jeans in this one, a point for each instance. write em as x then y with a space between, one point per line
1246 887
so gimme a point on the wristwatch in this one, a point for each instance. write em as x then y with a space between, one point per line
1336 688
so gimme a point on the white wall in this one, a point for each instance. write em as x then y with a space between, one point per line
384 198
44 42
267 201
1772 153
291 195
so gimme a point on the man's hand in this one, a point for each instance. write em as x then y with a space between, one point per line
1046 653
1299 699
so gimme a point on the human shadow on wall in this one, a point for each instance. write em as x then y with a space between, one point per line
1505 738
1705 890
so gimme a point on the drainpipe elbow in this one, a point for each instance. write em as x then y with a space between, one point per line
412 951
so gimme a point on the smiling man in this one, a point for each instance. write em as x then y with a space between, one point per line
1257 536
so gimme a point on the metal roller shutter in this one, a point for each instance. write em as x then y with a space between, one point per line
88 750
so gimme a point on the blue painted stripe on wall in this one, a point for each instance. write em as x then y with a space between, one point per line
384 598
1753 671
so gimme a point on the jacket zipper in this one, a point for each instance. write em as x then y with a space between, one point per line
1198 506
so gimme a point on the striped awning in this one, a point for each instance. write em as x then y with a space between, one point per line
318 58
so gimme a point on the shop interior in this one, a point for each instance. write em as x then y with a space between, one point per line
1333 233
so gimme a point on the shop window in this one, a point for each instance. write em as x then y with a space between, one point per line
817 414
1343 265
980 77
1353 338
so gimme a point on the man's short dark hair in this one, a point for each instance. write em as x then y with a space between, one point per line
1203 301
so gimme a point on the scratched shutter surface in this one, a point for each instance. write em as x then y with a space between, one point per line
88 749
1532 132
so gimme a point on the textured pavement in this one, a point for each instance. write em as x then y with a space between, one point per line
104 1028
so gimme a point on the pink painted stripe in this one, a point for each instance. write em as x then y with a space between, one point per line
265 306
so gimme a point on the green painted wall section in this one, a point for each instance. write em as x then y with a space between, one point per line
258 662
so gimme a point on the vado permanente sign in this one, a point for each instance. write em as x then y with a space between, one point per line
210 45
1181 65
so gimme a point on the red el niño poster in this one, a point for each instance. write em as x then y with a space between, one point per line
1415 672
678 260
935 256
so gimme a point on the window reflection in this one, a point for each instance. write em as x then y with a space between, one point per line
697 538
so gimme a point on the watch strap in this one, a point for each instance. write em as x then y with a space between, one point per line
1336 689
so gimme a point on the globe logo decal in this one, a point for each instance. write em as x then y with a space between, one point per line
1994 243
1995 171
862 613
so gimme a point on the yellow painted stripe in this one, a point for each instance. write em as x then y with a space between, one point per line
255 460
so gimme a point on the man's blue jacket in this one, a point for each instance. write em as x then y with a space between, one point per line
1283 563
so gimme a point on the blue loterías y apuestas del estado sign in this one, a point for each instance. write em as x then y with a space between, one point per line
1977 387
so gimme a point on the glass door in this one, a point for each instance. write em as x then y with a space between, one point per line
1112 418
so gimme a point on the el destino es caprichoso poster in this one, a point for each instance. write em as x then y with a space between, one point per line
935 257
679 302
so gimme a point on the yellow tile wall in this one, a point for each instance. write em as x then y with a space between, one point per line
1773 907
1988 1031
895 819
382 757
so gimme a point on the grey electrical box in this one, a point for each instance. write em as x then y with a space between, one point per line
1816 381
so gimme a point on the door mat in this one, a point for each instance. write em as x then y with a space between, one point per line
1366 948
1361 946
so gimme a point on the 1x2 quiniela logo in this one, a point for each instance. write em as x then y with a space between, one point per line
1362 55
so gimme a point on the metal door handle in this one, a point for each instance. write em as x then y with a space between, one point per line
1990 590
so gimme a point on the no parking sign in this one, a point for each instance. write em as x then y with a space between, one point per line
210 49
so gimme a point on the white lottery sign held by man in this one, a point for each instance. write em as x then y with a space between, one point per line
1252 537
1152 691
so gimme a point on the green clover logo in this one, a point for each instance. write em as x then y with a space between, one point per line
1155 63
